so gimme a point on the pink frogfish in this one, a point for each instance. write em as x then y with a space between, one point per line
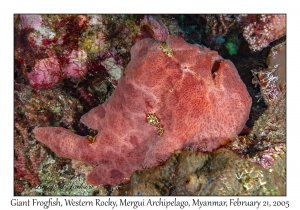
174 96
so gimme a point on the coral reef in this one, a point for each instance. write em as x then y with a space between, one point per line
57 177
191 91
219 25
37 108
69 46
83 57
27 157
261 30
271 125
194 173
272 80
269 133
45 107
266 143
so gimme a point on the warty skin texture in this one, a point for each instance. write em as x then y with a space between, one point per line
198 99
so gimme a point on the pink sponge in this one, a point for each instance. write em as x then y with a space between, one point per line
173 96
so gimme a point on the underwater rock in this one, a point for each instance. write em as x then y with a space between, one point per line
195 173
